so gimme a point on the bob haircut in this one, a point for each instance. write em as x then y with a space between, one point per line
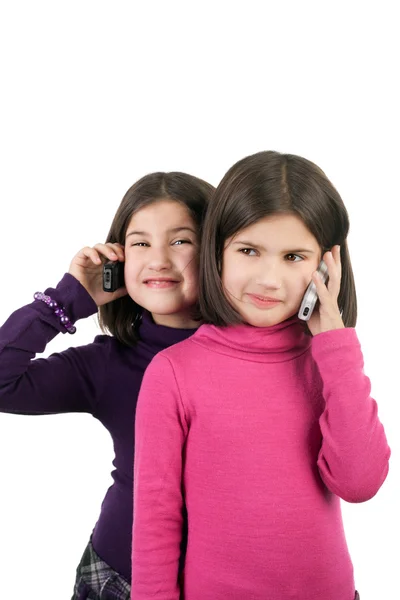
122 316
258 186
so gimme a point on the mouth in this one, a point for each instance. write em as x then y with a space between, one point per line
160 282
263 301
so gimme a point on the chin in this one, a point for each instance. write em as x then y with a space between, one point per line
264 322
163 309
168 308
267 319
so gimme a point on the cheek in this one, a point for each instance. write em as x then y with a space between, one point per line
230 276
129 266
188 264
300 284
132 270
191 271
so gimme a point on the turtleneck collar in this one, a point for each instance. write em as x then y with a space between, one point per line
277 343
160 337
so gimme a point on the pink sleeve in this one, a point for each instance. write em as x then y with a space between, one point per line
160 434
354 456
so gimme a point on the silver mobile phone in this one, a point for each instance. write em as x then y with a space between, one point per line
310 297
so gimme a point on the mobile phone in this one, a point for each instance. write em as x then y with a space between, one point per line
310 297
113 276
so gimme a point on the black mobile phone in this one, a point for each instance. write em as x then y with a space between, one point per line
310 297
113 276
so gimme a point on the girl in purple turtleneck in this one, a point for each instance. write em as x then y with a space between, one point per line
263 424
156 233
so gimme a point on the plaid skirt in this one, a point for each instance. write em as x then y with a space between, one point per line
96 580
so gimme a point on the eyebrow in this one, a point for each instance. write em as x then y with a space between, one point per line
290 251
173 230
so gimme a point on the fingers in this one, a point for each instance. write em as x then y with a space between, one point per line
322 291
99 252
336 258
328 316
332 260
111 251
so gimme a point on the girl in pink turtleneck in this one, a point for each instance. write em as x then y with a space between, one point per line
258 424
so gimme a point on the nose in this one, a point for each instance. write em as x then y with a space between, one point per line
268 275
159 259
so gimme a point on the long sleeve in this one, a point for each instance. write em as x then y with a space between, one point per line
160 434
64 382
354 457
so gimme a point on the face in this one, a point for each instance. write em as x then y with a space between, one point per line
267 268
161 262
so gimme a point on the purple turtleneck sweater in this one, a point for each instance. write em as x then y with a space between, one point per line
102 378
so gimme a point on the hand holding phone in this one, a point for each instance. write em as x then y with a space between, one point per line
87 266
310 297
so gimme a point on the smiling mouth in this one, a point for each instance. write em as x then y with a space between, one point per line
160 283
263 300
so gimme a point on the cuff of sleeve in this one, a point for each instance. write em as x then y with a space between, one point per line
73 296
324 344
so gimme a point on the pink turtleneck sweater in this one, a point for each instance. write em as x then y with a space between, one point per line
258 433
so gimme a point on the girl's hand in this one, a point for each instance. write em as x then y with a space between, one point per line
87 268
326 316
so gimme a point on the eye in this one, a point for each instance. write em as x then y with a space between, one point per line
295 256
180 242
140 244
248 251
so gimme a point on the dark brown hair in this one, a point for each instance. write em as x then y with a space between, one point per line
120 317
258 186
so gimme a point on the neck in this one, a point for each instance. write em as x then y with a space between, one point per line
276 343
182 320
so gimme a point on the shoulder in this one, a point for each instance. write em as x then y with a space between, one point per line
103 346
106 343
179 364
179 351
171 361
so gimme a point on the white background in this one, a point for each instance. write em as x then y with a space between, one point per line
96 94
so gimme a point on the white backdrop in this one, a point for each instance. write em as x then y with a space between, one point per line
96 94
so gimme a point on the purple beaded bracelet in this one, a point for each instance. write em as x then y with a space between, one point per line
58 310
